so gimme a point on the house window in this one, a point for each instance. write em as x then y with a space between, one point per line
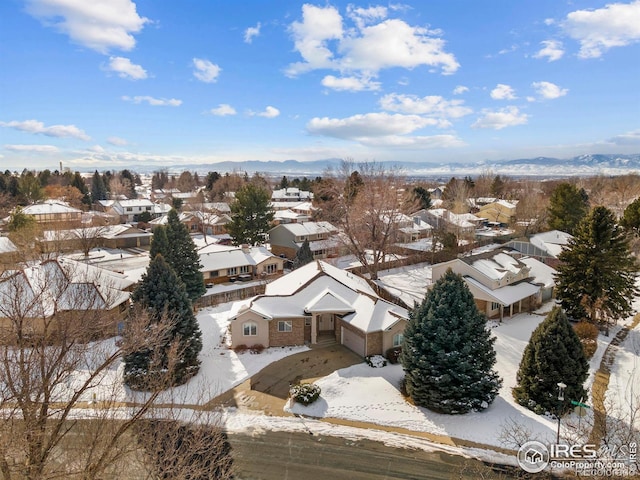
232 271
495 306
249 329
244 269
397 339
307 321
271 268
284 326
129 209
213 274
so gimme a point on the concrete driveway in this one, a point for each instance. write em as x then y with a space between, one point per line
268 390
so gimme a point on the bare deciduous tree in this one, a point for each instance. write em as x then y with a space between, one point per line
366 202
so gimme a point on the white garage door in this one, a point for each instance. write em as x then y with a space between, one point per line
353 341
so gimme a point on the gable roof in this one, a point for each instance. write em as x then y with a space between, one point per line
296 295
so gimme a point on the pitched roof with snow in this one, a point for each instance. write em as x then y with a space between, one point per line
215 257
308 228
551 242
320 287
49 207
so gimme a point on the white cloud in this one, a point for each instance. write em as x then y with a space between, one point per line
323 43
362 16
460 89
503 92
32 148
125 69
101 25
223 110
318 26
368 125
432 105
251 32
631 138
615 25
351 84
548 90
117 141
34 126
205 70
552 50
269 112
506 117
399 141
154 102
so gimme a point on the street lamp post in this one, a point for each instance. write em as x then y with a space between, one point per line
561 387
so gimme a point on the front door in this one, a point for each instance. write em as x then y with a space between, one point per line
325 322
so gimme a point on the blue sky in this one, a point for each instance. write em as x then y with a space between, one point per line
114 83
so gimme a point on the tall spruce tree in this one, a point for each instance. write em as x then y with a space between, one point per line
568 205
554 354
159 243
251 215
183 256
597 274
161 293
447 352
304 255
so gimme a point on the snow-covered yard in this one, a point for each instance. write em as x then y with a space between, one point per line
221 368
362 393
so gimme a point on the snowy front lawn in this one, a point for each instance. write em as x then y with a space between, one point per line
362 393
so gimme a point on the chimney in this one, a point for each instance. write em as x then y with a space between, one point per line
245 248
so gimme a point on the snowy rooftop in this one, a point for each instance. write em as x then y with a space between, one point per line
506 296
7 246
308 228
498 266
49 207
216 257
551 242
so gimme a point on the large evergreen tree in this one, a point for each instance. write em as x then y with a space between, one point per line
98 188
597 274
554 355
183 256
251 215
304 255
447 352
159 243
162 295
631 217
568 205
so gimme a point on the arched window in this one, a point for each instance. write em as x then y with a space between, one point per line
249 329
397 339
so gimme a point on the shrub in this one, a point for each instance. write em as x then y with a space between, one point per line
376 361
305 393
588 335
240 348
393 355
257 348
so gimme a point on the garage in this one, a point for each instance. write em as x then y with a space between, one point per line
353 341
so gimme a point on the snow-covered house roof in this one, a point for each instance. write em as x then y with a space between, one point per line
320 287
217 257
551 242
306 229
507 295
59 285
499 266
50 207
7 246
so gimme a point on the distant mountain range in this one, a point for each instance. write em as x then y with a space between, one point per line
583 165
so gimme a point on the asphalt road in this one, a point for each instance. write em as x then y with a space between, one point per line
289 456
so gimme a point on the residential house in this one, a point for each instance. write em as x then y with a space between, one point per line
317 302
501 283
287 238
222 263
292 194
63 294
129 210
86 238
500 212
545 246
53 212
462 225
